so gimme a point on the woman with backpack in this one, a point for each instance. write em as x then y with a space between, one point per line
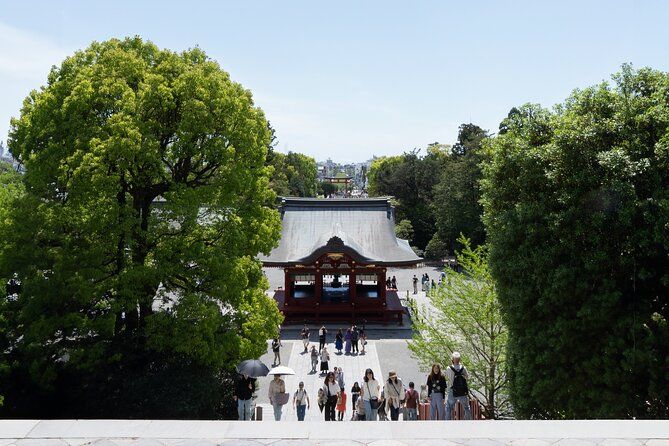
370 392
458 391
436 390
301 402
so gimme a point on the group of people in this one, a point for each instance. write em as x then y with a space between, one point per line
351 342
371 400
391 283
426 283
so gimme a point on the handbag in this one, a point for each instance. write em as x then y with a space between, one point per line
281 398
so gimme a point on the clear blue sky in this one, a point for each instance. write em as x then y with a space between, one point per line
349 80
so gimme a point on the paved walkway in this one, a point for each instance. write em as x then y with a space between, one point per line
248 433
354 367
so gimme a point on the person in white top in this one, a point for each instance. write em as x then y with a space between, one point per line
331 390
457 375
301 402
369 392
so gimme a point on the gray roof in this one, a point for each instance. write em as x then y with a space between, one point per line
363 227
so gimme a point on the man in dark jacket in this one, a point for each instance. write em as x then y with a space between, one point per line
245 386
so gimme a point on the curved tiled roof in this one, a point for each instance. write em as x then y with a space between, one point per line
365 226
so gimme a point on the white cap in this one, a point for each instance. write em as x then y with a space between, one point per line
456 355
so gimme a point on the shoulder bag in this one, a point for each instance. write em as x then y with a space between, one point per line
373 402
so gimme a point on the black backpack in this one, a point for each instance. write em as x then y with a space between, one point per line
459 385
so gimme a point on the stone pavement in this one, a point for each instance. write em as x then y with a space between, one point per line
423 433
354 367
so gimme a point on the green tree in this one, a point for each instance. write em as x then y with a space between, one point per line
464 315
457 206
576 209
146 204
293 174
436 248
404 230
11 189
326 188
411 178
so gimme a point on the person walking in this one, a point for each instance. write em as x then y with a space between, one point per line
354 339
301 402
457 376
411 403
321 399
341 404
394 393
339 341
355 393
276 348
347 342
415 284
363 339
243 395
383 414
314 359
393 282
325 359
277 387
322 337
360 410
304 334
331 391
339 377
436 389
370 392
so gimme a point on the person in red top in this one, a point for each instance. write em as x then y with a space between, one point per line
341 405
411 402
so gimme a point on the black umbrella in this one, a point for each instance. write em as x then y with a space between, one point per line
253 368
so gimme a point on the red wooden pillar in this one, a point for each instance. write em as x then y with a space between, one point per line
381 282
287 282
352 291
319 285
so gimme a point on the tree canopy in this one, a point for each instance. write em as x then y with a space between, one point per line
576 207
293 175
464 315
146 203
410 178
457 195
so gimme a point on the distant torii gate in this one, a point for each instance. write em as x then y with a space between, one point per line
346 181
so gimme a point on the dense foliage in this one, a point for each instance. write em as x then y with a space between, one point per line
293 175
146 203
576 208
457 196
410 178
464 315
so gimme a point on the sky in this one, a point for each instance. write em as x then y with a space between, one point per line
348 80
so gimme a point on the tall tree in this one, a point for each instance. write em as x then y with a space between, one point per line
464 315
293 175
146 204
576 208
410 178
457 206
11 190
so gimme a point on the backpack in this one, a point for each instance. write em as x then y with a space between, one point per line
459 385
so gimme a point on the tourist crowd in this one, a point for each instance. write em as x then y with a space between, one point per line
370 399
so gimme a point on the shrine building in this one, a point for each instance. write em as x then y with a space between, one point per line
335 254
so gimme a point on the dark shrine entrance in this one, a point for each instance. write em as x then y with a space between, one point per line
338 286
